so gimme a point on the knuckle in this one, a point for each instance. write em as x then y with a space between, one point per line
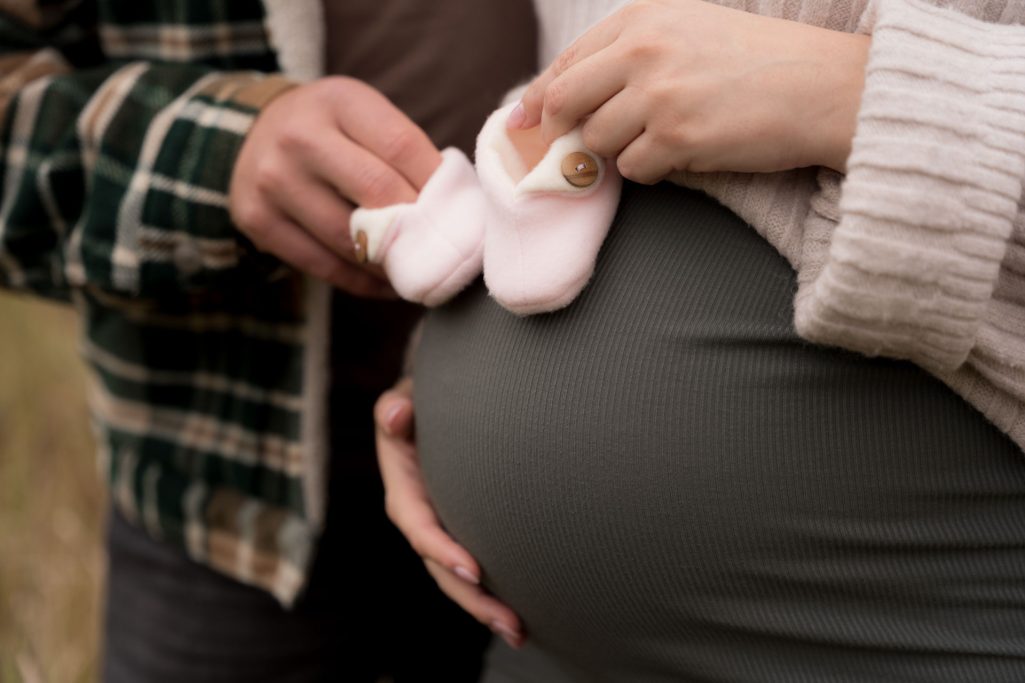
594 140
249 217
665 94
336 86
334 83
673 137
555 97
533 97
565 60
627 167
401 144
373 186
296 140
641 49
679 137
268 175
642 173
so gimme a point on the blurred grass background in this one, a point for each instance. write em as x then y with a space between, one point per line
52 503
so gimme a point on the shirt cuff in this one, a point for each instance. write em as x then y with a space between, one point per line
932 191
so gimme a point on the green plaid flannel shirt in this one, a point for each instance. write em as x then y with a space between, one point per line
121 122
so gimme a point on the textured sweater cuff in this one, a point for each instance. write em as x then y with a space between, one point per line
933 185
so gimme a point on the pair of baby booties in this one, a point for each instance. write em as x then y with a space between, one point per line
532 218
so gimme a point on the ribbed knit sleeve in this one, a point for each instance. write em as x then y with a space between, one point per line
930 210
919 252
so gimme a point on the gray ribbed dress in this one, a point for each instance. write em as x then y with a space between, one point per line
668 485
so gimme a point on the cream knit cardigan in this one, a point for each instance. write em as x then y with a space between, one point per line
919 252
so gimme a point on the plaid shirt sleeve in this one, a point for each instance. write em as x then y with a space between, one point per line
115 172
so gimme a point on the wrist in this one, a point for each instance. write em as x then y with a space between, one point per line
840 96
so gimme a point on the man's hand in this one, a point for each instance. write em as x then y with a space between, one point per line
409 508
314 154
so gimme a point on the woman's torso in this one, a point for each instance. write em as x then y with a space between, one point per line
667 484
392 45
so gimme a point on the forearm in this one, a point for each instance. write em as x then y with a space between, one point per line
932 194
114 169
116 177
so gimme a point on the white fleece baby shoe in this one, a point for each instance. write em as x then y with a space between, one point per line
532 217
433 248
548 213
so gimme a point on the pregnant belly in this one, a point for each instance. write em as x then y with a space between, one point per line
667 484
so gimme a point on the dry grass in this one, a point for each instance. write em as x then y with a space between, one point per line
52 504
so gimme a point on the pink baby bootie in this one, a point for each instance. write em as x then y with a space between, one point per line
433 248
549 210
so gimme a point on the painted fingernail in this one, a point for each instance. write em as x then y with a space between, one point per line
510 635
516 117
390 416
466 575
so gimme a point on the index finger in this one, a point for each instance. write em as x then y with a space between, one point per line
382 129
407 501
597 38
579 92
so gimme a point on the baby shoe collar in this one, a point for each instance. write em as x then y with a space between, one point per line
373 230
568 167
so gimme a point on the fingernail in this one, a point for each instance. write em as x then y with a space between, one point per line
390 416
510 635
516 117
466 575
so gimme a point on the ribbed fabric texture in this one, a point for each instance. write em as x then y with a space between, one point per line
668 484
919 252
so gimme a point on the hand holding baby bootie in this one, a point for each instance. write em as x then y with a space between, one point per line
433 248
549 210
532 216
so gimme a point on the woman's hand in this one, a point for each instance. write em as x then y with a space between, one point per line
409 508
684 85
